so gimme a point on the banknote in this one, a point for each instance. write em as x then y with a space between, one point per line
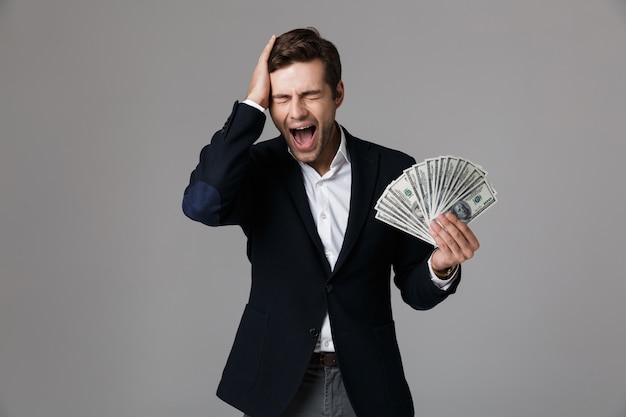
433 186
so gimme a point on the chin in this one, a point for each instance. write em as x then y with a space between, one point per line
304 158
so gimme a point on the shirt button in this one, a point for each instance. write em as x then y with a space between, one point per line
326 343
323 216
313 332
328 254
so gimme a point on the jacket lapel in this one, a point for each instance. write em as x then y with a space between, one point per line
365 166
291 173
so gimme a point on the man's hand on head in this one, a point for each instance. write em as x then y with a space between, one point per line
259 90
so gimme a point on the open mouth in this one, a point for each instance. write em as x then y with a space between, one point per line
303 136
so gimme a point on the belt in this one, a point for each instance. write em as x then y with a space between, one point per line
324 359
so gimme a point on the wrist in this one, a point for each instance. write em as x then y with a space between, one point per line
440 272
259 100
254 104
444 273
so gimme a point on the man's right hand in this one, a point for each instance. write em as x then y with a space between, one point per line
259 90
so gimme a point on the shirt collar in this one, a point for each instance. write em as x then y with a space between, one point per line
342 153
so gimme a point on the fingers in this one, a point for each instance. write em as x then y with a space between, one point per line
259 90
456 241
265 54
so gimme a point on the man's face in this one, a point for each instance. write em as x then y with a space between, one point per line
303 109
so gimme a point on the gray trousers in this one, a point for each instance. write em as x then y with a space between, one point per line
321 394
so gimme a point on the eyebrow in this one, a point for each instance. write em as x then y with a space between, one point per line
310 93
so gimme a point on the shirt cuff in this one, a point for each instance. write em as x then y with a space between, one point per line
253 104
443 284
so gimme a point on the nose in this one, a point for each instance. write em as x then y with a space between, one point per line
297 109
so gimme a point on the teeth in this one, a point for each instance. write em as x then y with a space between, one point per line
302 128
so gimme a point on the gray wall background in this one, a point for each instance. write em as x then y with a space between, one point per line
112 303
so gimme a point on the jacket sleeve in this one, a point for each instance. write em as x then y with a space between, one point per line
217 183
413 278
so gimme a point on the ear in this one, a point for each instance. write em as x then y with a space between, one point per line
339 93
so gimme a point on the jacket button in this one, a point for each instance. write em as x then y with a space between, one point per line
313 332
329 288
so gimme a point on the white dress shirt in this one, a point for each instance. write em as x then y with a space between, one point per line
329 199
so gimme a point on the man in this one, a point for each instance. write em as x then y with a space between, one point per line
317 336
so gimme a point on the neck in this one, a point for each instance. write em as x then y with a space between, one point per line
322 164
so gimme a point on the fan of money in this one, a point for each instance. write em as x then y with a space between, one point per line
434 186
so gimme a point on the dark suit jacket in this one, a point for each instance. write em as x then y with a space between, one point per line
261 189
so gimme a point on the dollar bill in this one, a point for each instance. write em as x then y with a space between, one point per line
474 203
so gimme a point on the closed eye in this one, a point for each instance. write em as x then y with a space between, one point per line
312 95
280 98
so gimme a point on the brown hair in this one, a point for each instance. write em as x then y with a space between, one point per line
305 45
